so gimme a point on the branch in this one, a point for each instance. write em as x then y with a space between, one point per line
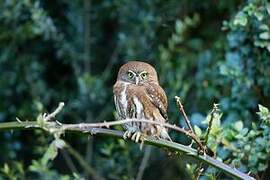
182 110
83 164
49 117
112 123
145 160
56 128
202 148
89 128
212 114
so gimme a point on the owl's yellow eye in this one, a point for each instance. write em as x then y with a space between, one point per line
144 75
130 75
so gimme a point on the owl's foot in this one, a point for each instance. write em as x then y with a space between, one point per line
136 136
127 134
133 136
142 142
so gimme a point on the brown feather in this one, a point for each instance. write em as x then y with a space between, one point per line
144 100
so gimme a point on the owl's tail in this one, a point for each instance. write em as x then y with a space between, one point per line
164 134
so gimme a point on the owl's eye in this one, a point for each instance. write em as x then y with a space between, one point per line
130 75
144 75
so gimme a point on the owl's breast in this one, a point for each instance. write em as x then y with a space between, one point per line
139 103
130 100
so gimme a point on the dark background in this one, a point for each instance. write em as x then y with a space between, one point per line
204 51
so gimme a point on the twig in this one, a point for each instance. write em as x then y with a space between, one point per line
148 140
118 122
182 110
90 142
87 36
144 162
198 171
215 109
113 123
194 136
48 117
58 128
69 162
81 161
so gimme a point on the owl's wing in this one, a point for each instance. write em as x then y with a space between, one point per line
117 88
158 98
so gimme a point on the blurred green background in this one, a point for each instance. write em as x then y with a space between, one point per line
204 51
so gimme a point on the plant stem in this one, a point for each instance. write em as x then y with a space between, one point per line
173 146
82 162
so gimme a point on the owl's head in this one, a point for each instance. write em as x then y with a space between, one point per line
136 72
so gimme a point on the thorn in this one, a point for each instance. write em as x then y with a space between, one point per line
57 122
18 120
141 145
190 153
106 125
216 105
192 142
201 170
44 115
93 131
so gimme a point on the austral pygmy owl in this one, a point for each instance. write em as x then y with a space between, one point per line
137 95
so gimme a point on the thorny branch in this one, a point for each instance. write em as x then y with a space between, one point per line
49 117
86 126
202 148
212 114
182 110
94 128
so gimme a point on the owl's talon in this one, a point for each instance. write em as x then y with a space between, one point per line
142 142
136 136
127 134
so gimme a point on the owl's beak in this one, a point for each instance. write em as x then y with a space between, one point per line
137 80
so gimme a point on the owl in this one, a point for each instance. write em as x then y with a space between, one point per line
138 95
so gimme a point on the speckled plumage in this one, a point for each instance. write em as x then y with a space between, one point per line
143 99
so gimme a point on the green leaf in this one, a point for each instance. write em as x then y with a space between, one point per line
198 131
258 15
179 26
59 143
238 125
6 168
263 109
264 114
268 8
264 27
264 35
240 19
262 167
52 151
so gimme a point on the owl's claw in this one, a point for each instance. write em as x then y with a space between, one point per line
127 134
136 136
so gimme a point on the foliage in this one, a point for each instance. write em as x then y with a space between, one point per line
205 52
